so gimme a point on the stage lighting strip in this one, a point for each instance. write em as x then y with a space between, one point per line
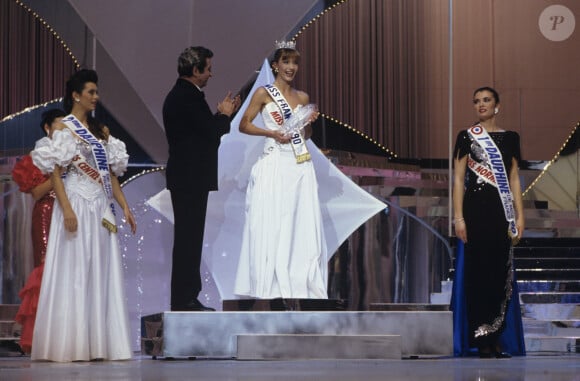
142 173
29 109
556 156
363 135
58 38
317 17
308 24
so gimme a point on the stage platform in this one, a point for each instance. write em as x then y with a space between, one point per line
295 334
280 304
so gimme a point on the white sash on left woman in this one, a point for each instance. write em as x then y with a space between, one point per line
102 162
495 174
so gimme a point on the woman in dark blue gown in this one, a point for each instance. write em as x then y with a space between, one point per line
485 299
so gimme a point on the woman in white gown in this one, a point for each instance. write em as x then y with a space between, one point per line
283 251
82 313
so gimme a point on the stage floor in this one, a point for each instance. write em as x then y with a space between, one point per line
565 367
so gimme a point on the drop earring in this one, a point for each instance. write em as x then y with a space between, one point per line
496 110
77 100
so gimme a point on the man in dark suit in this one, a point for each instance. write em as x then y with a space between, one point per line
193 133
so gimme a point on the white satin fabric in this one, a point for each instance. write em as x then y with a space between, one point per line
344 205
283 251
82 312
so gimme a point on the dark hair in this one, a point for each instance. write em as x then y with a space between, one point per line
284 53
491 90
194 56
76 83
49 116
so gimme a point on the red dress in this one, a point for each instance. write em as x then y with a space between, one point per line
28 176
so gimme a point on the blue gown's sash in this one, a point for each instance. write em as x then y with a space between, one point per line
494 174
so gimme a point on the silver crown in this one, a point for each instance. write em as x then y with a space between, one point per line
285 44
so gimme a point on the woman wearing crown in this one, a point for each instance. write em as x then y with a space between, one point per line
283 252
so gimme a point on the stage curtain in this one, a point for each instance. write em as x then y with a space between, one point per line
34 64
371 64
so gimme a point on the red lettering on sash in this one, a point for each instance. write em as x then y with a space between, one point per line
484 172
277 117
89 171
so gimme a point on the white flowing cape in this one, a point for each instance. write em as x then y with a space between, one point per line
345 206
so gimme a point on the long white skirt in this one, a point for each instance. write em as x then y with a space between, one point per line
283 249
82 312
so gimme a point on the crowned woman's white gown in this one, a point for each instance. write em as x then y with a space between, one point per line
283 252
82 312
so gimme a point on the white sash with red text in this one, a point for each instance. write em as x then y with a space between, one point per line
296 138
101 175
495 175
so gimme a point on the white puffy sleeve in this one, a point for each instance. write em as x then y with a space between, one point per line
117 154
59 150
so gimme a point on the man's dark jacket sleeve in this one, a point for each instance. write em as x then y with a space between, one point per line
193 133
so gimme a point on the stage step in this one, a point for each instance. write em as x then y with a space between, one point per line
550 314
552 311
550 297
9 331
213 334
443 297
547 344
316 347
551 335
408 307
548 273
548 259
280 304
549 286
568 328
